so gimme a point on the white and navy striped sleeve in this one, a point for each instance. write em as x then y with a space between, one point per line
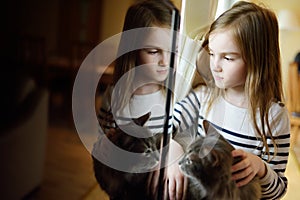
274 183
186 112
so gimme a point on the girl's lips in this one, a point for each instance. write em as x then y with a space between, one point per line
218 78
163 71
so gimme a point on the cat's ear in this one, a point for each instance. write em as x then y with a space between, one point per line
205 125
142 120
209 129
215 158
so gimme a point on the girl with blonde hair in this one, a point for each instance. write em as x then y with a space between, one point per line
243 101
139 75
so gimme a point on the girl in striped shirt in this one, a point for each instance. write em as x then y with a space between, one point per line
139 77
243 99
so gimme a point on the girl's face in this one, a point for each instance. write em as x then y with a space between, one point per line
226 62
154 58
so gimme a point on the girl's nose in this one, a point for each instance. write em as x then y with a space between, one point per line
216 64
164 59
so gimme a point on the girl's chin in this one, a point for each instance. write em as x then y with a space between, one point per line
162 74
161 77
220 85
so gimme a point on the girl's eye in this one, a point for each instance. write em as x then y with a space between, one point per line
228 58
152 52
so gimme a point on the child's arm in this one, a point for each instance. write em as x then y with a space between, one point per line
185 117
176 181
273 184
271 173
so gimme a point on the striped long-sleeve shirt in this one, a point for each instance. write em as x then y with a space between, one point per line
137 106
235 125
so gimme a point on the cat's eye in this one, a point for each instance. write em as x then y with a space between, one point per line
147 152
188 161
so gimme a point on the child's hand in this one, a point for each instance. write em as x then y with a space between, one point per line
245 170
152 184
176 182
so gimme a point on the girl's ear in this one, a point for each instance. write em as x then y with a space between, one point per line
142 120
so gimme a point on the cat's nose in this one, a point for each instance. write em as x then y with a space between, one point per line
180 162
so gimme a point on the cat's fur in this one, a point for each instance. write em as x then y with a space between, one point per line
207 165
126 185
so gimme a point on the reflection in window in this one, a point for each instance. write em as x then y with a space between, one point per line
224 5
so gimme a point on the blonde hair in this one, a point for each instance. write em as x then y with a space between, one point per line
146 13
255 30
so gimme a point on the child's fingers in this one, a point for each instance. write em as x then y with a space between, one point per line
179 187
242 174
246 180
172 188
238 152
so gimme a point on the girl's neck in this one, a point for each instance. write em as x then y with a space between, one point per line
236 98
147 89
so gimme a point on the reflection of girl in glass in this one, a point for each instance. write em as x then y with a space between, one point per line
139 75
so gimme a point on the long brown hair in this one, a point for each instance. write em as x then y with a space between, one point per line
145 13
255 30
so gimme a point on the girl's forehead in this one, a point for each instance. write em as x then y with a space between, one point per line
221 33
223 40
157 38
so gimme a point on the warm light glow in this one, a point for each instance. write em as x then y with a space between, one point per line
288 20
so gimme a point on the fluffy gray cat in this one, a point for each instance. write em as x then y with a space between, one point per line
133 185
207 165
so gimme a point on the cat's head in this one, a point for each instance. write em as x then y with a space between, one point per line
136 138
209 157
